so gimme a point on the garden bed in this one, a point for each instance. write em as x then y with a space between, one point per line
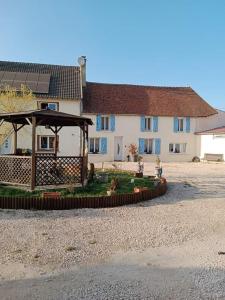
94 195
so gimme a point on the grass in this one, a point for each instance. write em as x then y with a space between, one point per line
95 188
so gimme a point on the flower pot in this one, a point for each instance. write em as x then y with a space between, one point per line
140 189
110 193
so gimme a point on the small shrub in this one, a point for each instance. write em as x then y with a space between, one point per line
195 159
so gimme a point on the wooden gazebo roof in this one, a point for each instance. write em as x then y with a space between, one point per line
45 118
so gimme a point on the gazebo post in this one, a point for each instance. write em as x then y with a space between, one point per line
15 138
33 157
83 154
55 142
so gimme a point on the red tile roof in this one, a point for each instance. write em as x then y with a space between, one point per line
218 130
148 100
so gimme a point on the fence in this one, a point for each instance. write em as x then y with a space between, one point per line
51 170
83 202
15 169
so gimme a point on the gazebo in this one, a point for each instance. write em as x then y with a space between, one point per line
44 169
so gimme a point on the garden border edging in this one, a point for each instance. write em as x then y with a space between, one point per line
64 203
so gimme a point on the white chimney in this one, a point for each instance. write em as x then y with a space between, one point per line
82 62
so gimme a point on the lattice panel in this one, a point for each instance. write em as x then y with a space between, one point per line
58 170
15 169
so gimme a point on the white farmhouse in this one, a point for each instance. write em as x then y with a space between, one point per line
171 122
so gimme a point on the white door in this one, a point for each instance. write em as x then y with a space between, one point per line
118 148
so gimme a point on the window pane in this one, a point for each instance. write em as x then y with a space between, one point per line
146 146
170 147
181 124
52 106
91 146
44 105
102 123
177 148
51 142
97 145
106 123
184 147
44 142
150 147
149 123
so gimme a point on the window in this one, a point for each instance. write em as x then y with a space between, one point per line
46 143
177 148
94 145
6 144
180 125
104 123
49 105
148 125
148 148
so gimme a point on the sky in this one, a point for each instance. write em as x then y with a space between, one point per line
160 42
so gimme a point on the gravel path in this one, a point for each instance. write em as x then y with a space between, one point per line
166 248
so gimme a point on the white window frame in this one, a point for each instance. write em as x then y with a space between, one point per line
182 148
105 120
148 123
94 145
48 142
148 144
179 125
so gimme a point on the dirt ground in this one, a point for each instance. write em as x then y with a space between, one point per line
166 248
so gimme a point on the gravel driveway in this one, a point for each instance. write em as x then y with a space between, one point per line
166 248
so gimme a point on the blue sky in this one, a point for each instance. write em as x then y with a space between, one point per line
161 42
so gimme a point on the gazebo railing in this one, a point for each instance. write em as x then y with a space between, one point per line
15 169
52 170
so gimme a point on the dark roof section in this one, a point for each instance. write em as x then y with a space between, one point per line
122 99
64 80
45 117
217 130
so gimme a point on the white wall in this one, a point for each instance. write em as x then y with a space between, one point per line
212 144
129 127
69 137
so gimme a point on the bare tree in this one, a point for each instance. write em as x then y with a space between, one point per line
13 100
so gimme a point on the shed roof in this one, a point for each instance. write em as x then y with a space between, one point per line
217 130
44 118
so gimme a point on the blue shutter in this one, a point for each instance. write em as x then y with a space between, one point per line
141 146
188 124
98 122
142 123
112 123
157 146
155 124
175 124
103 145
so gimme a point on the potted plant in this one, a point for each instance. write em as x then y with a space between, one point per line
133 151
140 169
158 168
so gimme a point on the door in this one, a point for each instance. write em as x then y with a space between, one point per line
118 148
